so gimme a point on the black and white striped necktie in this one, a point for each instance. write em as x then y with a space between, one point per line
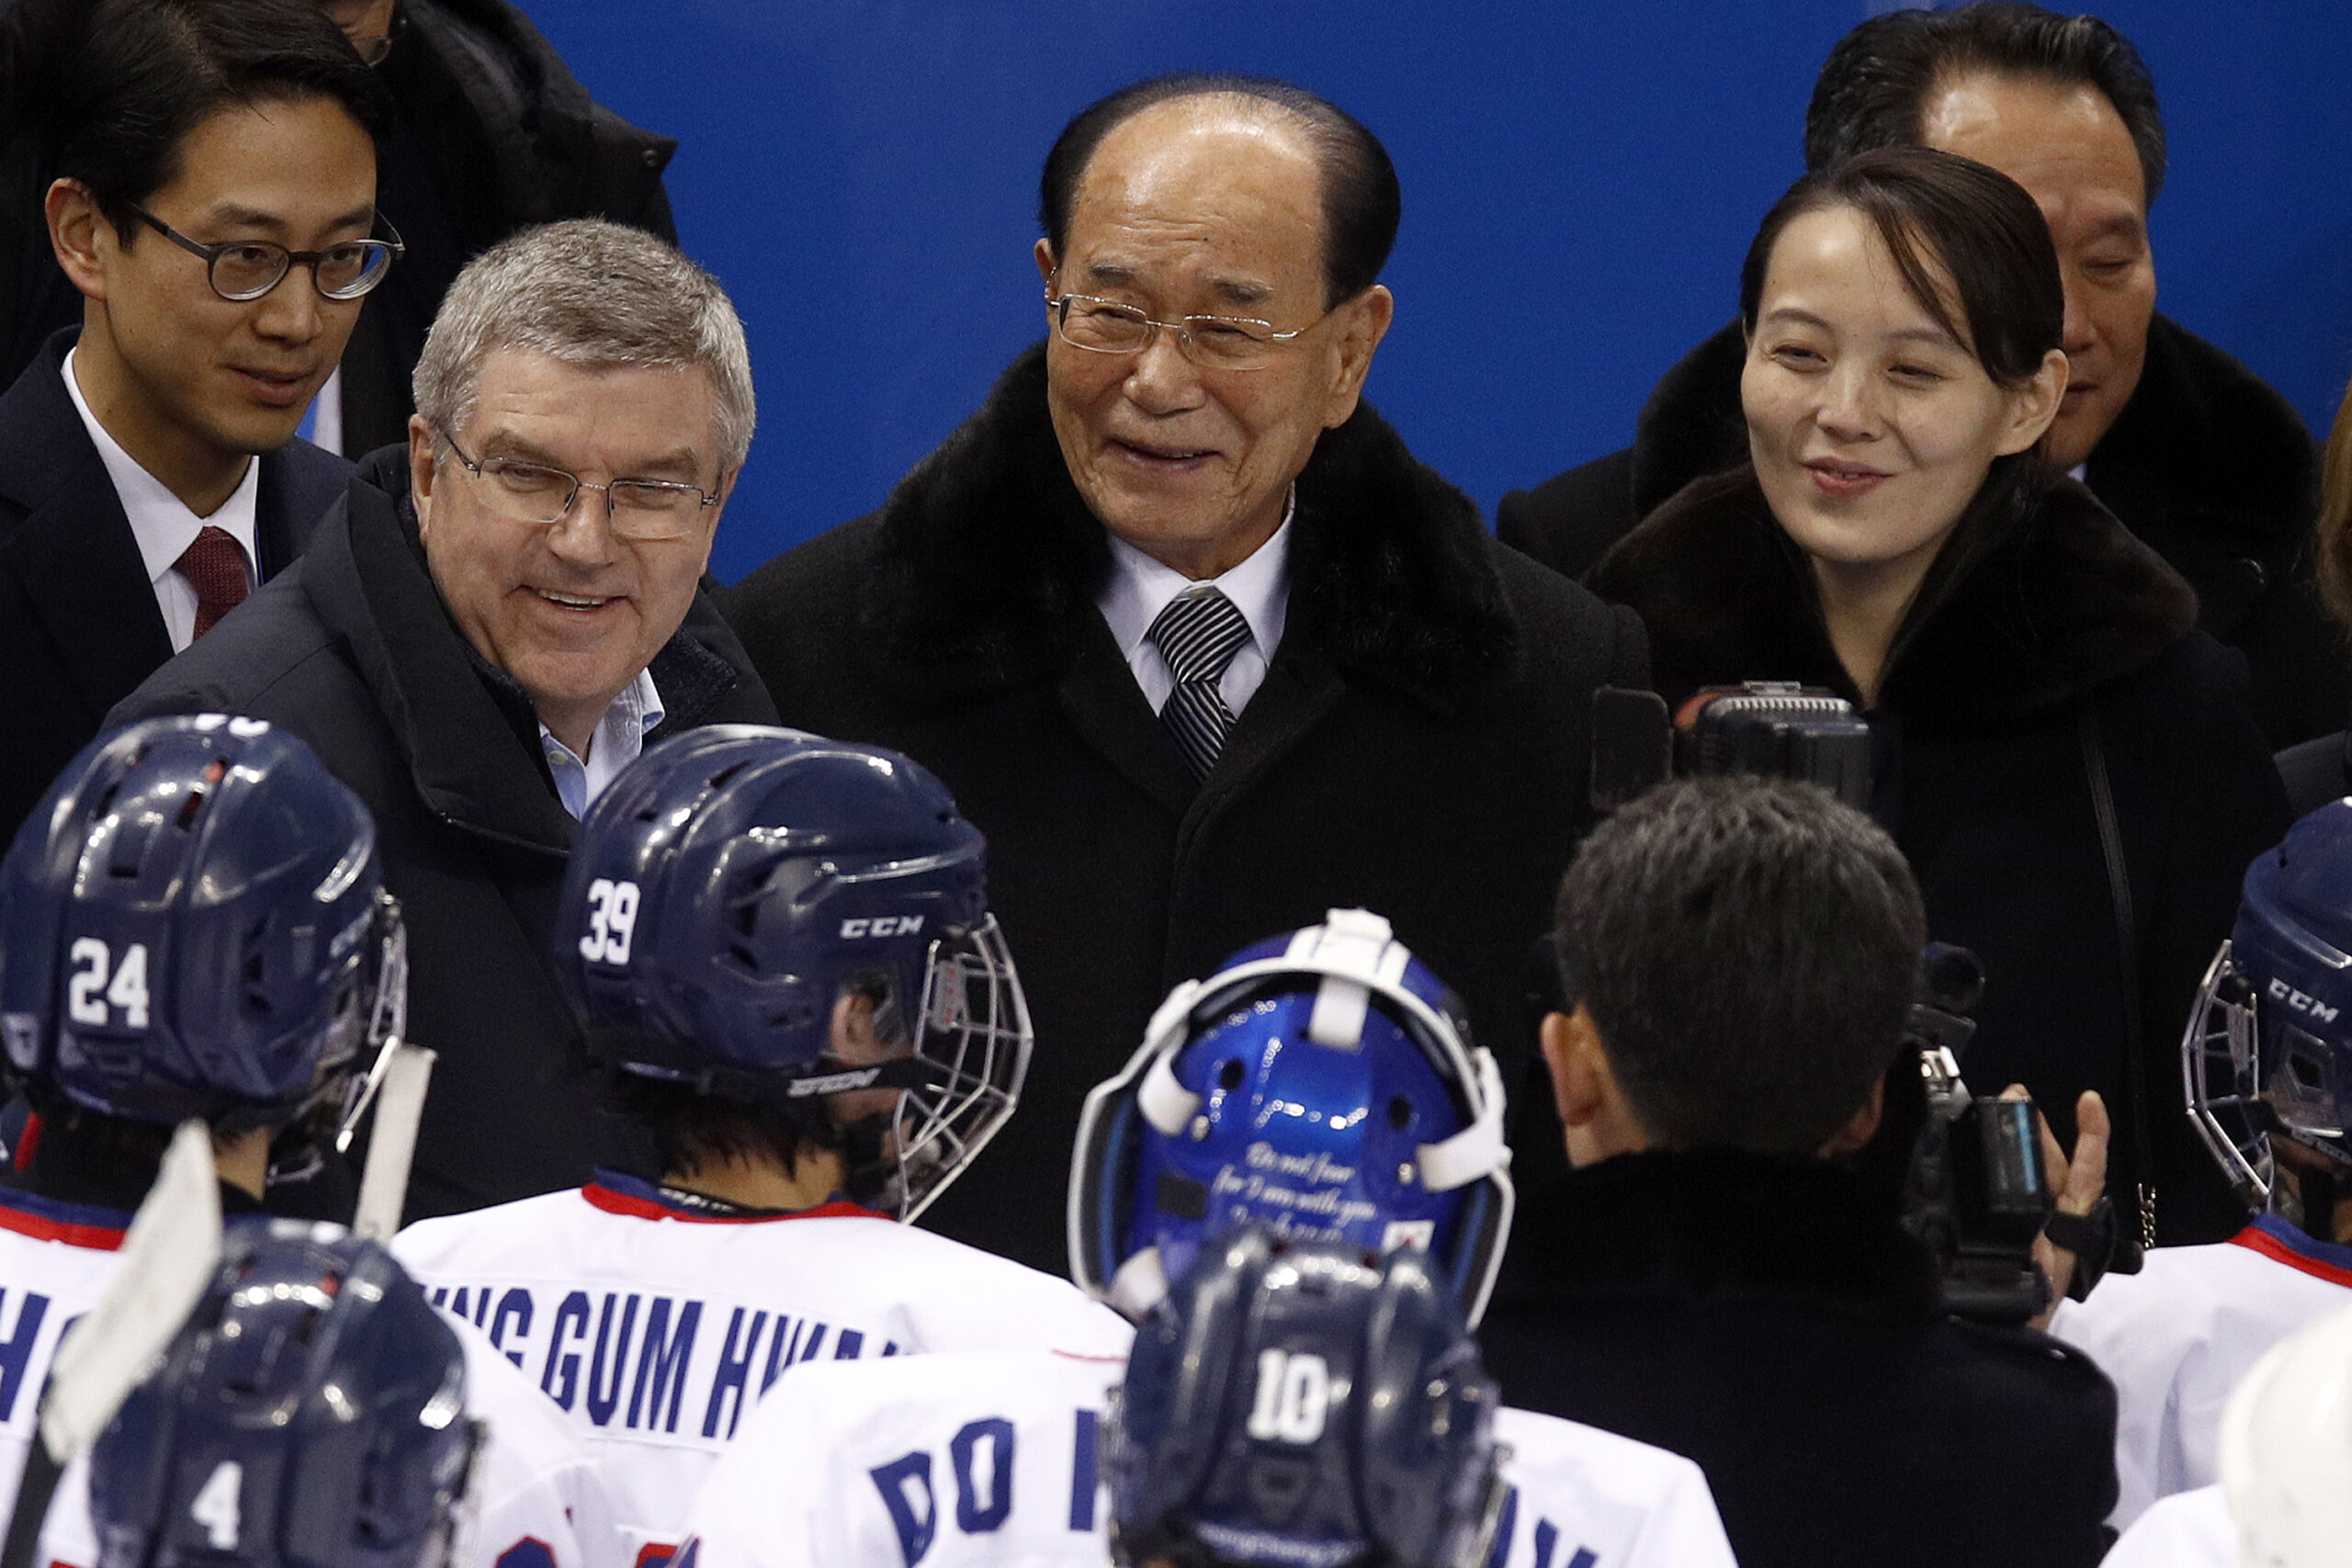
1198 634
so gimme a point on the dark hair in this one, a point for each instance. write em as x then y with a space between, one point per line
1747 950
691 1131
131 83
1362 201
2006 303
1872 91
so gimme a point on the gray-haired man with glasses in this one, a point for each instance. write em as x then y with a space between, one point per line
1194 639
494 622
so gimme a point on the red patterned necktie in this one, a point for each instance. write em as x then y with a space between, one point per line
215 567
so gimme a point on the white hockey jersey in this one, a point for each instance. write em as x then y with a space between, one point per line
2187 1529
961 1462
2176 1337
54 1261
534 1501
657 1326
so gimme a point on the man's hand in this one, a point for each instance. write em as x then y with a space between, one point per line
2076 1184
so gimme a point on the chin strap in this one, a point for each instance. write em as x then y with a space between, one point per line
1478 1150
1140 1285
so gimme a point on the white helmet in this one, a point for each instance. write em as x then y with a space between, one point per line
2287 1450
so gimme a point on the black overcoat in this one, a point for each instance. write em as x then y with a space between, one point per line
2207 464
1771 1320
1418 746
1982 781
353 650
79 625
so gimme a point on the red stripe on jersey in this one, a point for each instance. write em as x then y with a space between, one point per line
97 1238
2258 1240
603 1197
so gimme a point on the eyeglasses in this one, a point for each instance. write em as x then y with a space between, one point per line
1216 342
638 509
243 270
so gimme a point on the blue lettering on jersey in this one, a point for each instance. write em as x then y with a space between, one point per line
847 1343
733 1373
1583 1559
977 1514
1547 1536
515 1309
1084 1479
664 1364
571 1322
604 1399
16 1351
1504 1527
915 1518
528 1552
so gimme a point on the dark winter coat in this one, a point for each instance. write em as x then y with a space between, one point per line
1771 1320
1982 781
1418 746
353 650
2206 464
79 625
491 133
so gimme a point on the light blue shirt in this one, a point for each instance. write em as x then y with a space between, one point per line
618 741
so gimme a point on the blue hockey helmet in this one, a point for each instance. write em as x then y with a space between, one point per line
1320 1084
735 885
309 1414
1304 1404
192 923
2269 1047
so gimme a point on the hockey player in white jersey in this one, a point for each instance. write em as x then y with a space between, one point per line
781 951
2267 1059
1316 1088
193 925
315 1411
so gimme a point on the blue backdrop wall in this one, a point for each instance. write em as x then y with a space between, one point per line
1581 181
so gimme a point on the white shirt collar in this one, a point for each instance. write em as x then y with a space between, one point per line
161 521
617 740
1140 587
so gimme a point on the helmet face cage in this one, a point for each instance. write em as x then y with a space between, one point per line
2220 1065
1245 1107
2255 1066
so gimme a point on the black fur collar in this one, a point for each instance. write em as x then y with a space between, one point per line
1723 1221
990 561
2067 602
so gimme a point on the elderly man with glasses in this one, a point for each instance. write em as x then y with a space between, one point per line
493 622
1191 634
214 208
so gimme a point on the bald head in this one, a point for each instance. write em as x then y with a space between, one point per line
1354 189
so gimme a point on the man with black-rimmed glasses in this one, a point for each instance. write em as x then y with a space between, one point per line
489 626
215 207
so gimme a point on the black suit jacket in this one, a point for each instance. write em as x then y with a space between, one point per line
79 625
1419 747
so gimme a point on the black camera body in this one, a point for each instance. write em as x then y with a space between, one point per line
1976 1192
1775 728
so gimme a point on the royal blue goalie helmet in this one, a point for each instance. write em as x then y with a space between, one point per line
1320 1085
2269 1047
1303 1404
309 1414
192 923
733 887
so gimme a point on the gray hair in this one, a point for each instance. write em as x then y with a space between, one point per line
593 294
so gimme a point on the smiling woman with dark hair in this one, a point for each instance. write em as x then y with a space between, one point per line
2069 765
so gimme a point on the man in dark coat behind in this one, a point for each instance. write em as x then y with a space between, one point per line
489 133
1720 1275
1399 718
478 679
2195 454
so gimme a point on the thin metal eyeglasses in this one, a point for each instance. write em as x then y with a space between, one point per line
243 270
1221 343
635 509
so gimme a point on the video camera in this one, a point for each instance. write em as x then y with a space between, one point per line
1777 728
1975 1190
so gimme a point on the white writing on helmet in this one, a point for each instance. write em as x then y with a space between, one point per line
1293 1397
832 1083
1317 1166
882 925
2308 1005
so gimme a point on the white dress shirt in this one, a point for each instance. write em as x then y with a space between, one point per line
617 740
1141 587
161 522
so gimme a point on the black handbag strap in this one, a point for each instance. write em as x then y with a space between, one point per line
2127 941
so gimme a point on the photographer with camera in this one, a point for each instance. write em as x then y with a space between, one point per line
1723 1274
2068 763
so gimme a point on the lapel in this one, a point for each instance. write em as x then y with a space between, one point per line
1103 702
1300 688
73 550
299 483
